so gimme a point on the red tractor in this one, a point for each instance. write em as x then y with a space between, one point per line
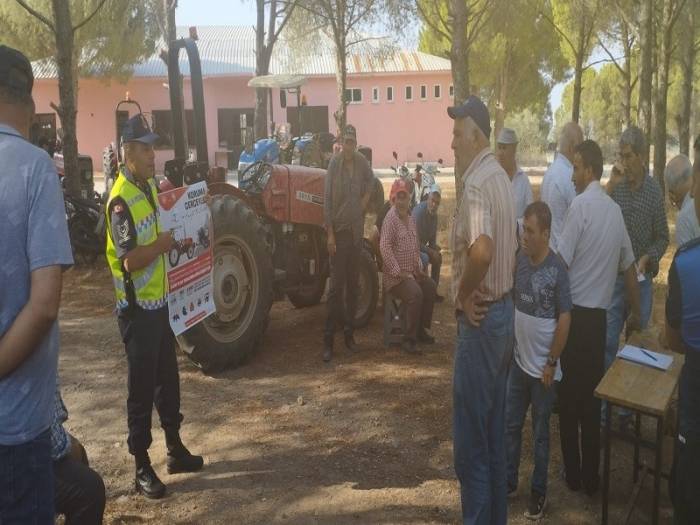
268 238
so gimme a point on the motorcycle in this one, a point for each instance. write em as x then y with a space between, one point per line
427 173
86 227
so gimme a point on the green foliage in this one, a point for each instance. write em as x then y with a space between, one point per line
532 129
602 117
122 33
515 45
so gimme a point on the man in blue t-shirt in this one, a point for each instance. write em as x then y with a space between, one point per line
542 317
683 335
35 247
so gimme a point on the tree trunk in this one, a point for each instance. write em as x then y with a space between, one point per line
503 85
627 77
170 27
578 87
341 77
261 68
646 41
66 92
664 63
688 68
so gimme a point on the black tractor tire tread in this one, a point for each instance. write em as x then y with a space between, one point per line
304 300
231 215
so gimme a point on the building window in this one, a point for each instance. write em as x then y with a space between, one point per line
452 91
437 91
423 92
375 95
408 93
353 96
163 127
389 94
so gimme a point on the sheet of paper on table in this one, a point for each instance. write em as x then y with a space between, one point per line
645 357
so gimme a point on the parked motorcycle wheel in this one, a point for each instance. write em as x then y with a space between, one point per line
242 285
174 256
190 251
87 245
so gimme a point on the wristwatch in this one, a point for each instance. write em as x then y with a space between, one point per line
551 361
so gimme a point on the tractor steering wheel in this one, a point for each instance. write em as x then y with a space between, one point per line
250 180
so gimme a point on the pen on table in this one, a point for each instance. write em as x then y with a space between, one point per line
648 354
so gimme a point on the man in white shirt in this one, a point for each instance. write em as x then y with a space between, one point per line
594 245
506 148
679 181
557 189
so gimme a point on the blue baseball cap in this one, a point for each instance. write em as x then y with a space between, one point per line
473 107
15 71
137 129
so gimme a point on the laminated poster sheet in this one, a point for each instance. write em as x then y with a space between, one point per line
189 262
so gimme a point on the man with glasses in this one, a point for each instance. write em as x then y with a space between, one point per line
642 203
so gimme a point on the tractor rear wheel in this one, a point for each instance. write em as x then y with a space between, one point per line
242 285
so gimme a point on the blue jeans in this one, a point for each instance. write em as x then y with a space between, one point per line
26 483
617 313
523 391
482 359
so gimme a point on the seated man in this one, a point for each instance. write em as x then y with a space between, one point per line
79 490
403 271
426 217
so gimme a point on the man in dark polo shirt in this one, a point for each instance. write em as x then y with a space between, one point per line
683 334
347 191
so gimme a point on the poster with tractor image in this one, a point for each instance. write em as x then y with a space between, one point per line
185 213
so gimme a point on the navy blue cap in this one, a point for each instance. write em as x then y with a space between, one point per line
137 129
15 71
473 107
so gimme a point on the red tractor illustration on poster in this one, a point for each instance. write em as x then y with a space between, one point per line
181 244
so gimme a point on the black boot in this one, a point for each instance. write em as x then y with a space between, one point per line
179 458
350 343
146 481
424 337
327 348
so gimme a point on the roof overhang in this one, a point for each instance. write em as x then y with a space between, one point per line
278 81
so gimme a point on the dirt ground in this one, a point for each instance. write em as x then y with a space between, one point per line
366 439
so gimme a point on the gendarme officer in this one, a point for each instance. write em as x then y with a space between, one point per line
135 248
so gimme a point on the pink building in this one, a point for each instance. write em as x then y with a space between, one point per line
398 97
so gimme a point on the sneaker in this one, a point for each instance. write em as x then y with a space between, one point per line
535 507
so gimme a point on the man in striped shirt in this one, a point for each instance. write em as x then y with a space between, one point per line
403 273
483 247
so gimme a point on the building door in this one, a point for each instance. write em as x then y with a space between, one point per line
314 119
230 137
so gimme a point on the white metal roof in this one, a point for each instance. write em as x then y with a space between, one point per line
230 51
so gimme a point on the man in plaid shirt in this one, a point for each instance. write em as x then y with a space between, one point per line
403 271
642 203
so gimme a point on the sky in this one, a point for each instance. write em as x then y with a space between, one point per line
242 12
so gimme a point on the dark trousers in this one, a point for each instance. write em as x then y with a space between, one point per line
344 274
419 298
80 492
26 483
582 363
153 376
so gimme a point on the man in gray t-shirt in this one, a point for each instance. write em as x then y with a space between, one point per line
35 248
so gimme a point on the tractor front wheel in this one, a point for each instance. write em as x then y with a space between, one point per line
242 286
